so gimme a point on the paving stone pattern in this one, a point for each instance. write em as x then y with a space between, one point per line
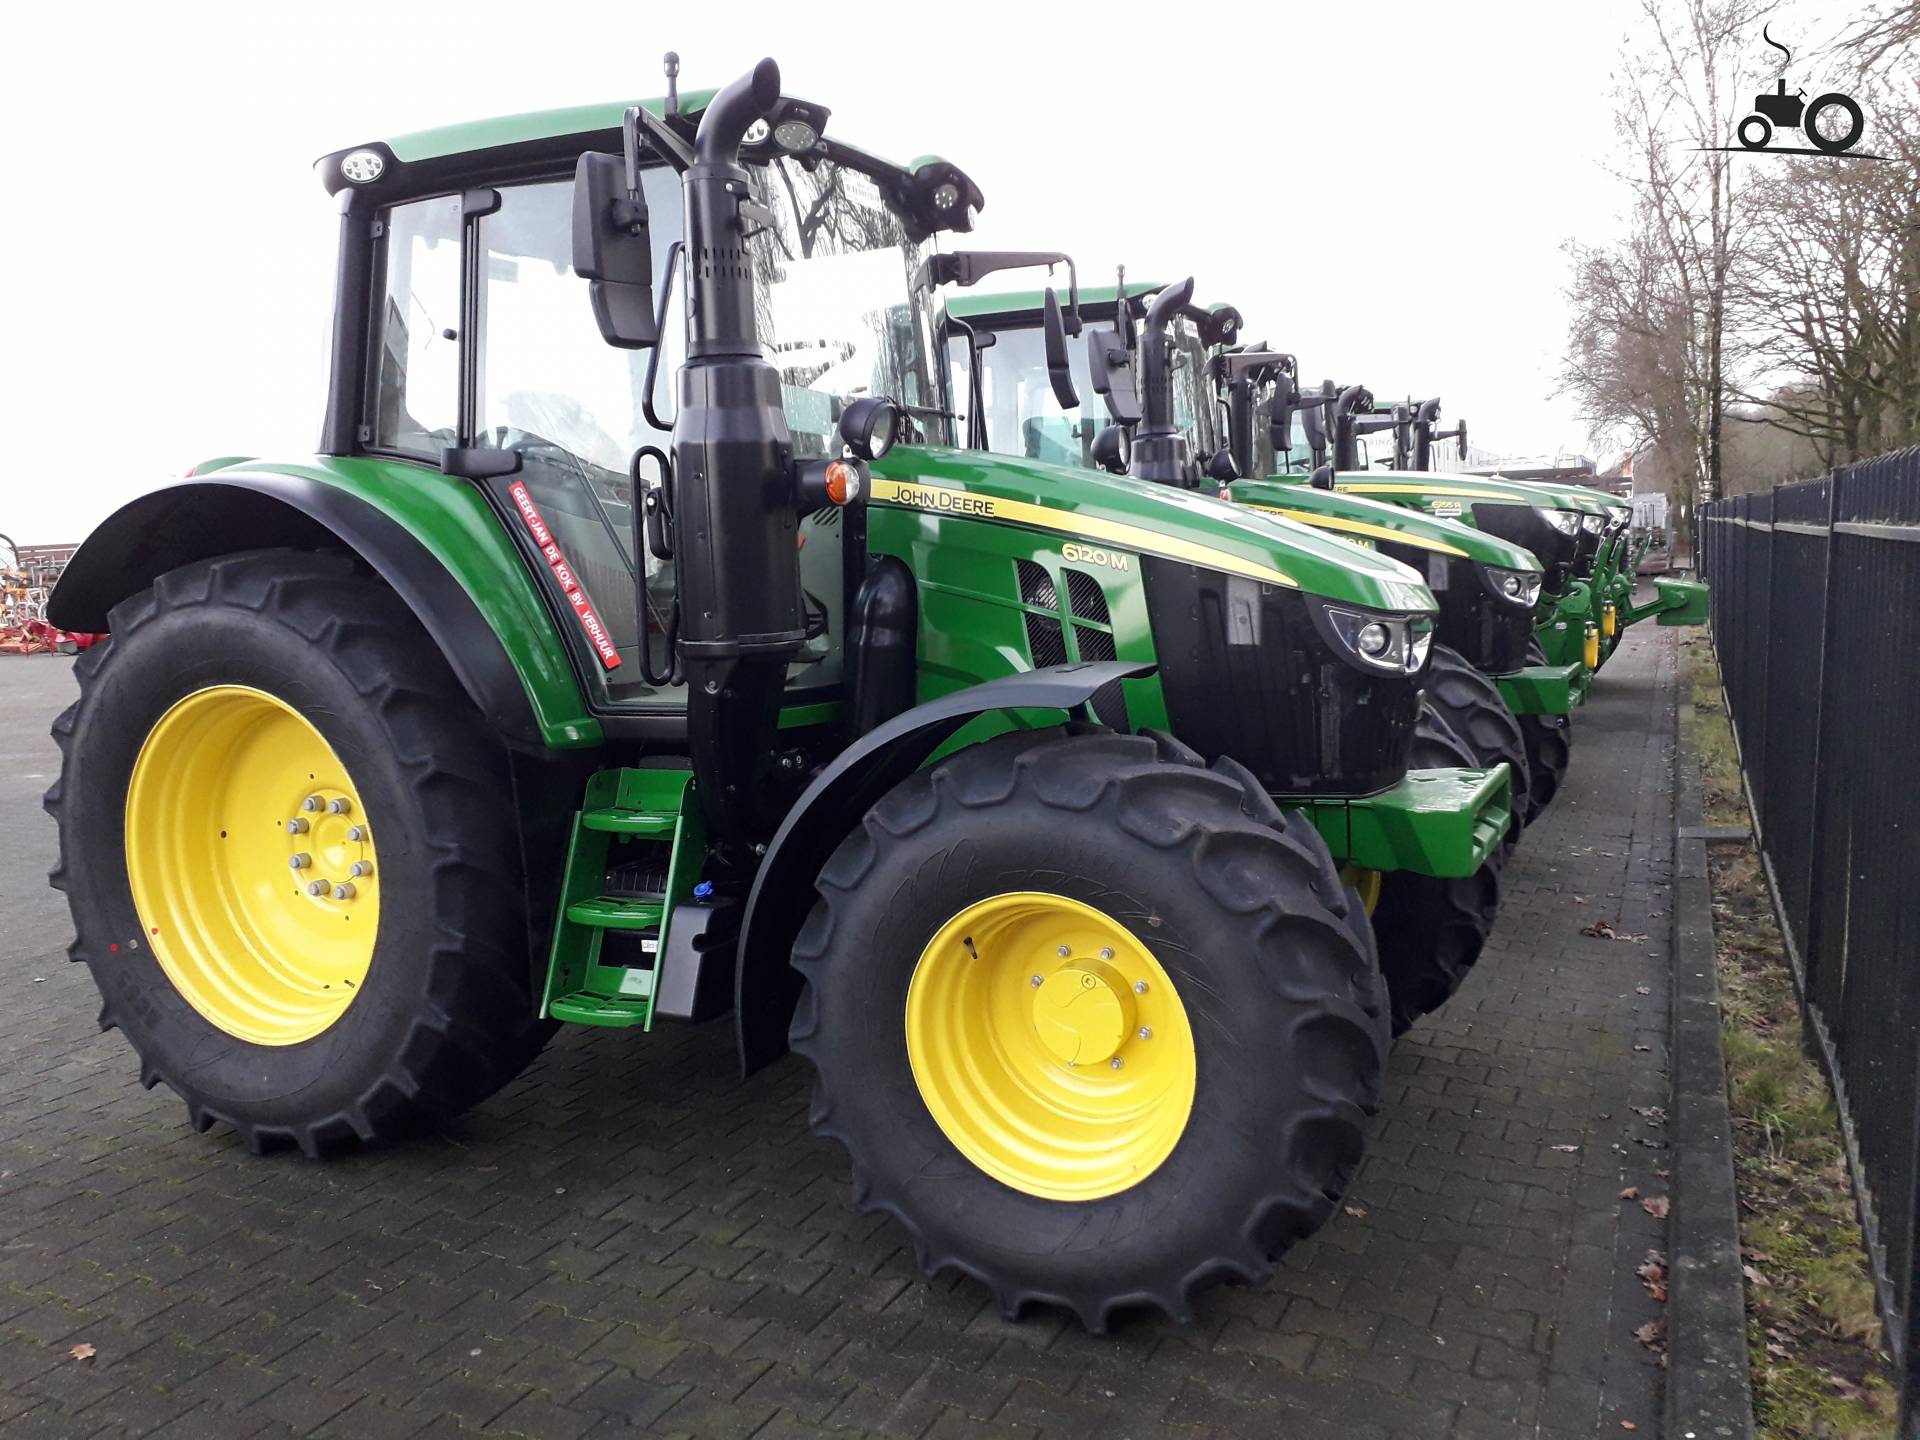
629 1240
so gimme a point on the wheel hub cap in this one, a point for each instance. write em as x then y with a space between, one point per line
1050 1046
251 862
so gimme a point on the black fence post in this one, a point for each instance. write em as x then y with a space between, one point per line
1814 943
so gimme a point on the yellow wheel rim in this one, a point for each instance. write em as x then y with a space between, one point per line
1050 1046
252 865
1366 881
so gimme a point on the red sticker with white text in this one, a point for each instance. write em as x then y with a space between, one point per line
583 610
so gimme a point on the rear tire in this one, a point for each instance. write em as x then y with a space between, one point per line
1267 951
443 1014
1431 930
1477 714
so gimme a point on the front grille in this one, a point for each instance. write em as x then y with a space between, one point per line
1246 673
1045 640
1036 585
1087 599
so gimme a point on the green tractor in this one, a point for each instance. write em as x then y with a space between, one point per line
1603 571
1490 685
619 660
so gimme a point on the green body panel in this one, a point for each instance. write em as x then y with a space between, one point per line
474 135
1127 517
1676 602
1354 517
621 806
453 520
1434 822
1543 689
1562 629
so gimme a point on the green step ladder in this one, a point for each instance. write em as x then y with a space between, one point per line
621 807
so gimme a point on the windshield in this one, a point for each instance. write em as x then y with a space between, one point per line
837 310
1017 400
1023 416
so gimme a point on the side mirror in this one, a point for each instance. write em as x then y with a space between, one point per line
1322 478
1113 450
1315 425
1222 468
1463 440
1059 368
613 250
1110 365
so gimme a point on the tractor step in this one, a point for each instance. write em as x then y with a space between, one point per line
618 912
604 966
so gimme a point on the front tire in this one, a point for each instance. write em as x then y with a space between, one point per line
1549 741
1127 850
1477 714
1431 929
256 725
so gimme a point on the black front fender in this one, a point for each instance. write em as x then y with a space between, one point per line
220 514
766 987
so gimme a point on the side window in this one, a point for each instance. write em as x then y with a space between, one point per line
416 370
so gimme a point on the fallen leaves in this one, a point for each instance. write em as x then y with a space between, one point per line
1653 1334
1653 1275
82 1351
1656 1206
1601 930
1358 1212
1632 1192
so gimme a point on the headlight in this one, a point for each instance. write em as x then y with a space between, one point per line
1522 587
1591 524
1565 521
1397 644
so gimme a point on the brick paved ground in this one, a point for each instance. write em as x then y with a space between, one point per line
630 1241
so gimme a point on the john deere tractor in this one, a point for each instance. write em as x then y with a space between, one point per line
1019 390
640 647
1022 391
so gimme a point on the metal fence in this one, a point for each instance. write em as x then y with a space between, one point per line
1816 621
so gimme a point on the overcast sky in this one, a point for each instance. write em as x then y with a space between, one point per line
1383 190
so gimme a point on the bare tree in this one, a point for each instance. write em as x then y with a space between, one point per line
1828 289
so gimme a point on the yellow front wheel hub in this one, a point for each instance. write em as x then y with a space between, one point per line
251 861
1366 881
1050 1046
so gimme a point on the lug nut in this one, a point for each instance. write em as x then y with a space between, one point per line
1064 950
356 833
361 868
300 861
1146 1032
1116 1062
316 887
296 826
343 891
339 805
1139 987
1036 982
310 804
1106 952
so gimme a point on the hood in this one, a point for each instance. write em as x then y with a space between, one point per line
1147 518
1358 517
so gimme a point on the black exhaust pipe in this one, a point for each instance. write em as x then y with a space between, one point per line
1160 450
736 541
